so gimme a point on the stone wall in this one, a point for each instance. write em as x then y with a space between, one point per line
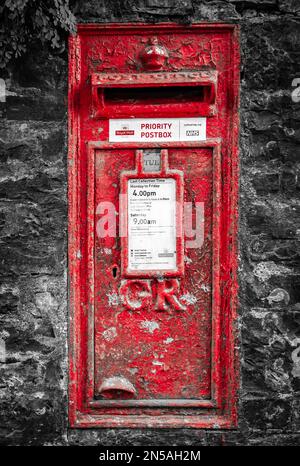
33 229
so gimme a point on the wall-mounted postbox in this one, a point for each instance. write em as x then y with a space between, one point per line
153 132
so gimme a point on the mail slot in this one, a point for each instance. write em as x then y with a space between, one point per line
153 169
151 94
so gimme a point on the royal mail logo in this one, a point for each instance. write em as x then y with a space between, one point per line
124 131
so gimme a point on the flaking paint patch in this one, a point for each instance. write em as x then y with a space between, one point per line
205 288
149 325
113 299
168 340
187 260
110 333
188 298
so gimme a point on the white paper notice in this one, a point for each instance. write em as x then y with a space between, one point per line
151 224
157 129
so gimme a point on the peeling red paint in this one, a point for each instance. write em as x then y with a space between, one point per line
120 322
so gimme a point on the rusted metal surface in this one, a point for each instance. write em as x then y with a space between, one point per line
153 349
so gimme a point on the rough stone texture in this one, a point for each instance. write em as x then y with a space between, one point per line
33 225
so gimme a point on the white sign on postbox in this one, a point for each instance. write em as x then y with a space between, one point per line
157 129
152 224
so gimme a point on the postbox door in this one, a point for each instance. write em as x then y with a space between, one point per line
154 334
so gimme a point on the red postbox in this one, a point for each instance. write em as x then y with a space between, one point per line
153 132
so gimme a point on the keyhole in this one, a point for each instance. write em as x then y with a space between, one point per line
114 271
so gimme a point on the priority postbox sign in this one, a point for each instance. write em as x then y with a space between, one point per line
156 130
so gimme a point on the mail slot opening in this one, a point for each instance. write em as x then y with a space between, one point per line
156 95
143 94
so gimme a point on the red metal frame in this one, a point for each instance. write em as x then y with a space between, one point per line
84 410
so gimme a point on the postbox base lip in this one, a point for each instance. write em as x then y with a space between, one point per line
84 421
